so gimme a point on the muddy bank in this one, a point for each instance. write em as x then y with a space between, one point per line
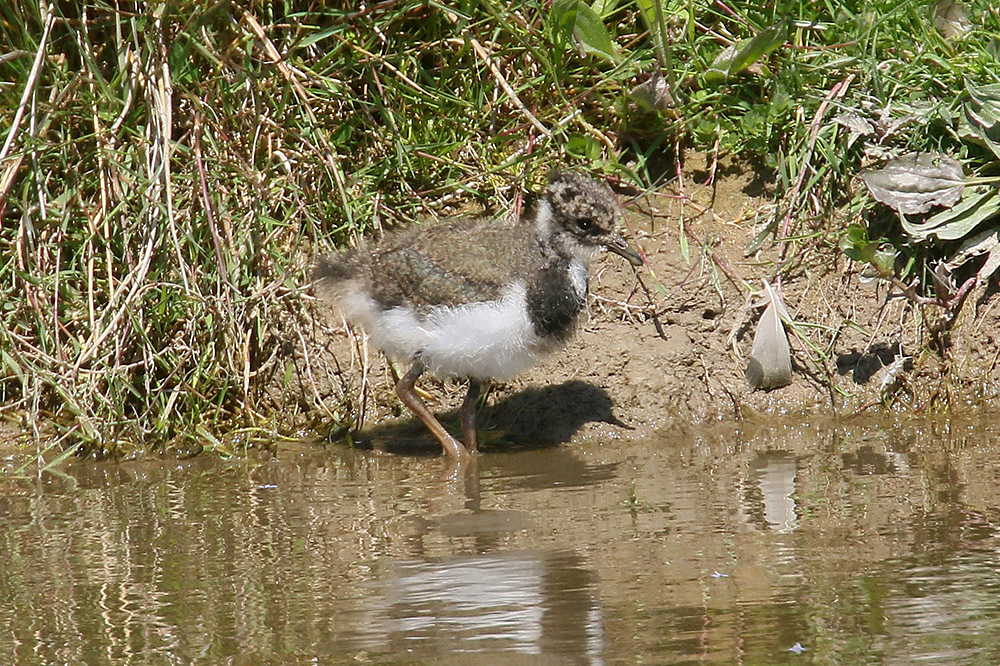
667 347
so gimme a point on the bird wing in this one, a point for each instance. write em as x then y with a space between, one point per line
451 263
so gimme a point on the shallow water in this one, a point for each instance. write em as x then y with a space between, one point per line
860 543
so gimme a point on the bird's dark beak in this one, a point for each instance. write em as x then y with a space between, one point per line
620 246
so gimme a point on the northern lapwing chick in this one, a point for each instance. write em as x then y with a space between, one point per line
478 298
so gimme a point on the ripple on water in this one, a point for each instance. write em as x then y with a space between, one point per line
843 542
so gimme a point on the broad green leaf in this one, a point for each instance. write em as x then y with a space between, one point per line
584 146
604 7
647 11
916 182
884 257
982 115
980 205
987 96
878 253
734 59
853 241
581 25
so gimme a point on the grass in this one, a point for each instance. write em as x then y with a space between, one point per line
169 170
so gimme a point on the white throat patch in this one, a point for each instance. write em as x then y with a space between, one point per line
579 277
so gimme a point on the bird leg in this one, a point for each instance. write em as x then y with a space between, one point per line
468 414
404 389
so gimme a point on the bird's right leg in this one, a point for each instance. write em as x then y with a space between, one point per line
404 389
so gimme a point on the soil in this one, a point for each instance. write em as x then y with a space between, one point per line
666 347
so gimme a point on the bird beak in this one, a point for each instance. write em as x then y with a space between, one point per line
620 246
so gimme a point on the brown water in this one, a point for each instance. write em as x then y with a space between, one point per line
861 543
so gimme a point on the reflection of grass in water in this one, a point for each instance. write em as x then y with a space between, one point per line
633 504
165 180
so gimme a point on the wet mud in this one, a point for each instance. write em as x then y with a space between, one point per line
668 345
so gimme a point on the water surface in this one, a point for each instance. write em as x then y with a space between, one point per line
833 543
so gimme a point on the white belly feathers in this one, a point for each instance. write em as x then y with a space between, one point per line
485 340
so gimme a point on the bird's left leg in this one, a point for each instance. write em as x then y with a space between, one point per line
468 414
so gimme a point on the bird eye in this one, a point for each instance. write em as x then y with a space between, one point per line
585 224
